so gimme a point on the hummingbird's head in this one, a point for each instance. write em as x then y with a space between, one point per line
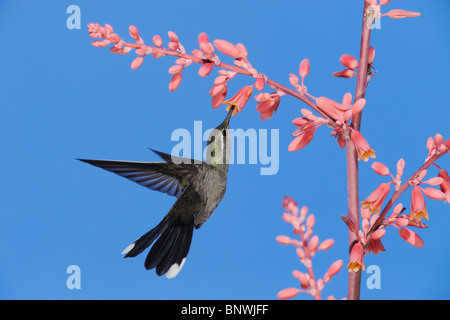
219 143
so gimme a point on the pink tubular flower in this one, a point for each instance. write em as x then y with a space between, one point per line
207 48
376 246
347 99
310 221
137 62
356 258
172 36
260 83
376 198
218 93
239 99
358 106
418 207
341 111
333 270
412 223
176 69
400 167
378 234
348 61
205 69
288 293
438 139
175 81
362 147
333 109
283 239
380 168
227 48
302 277
430 145
398 14
434 194
287 217
303 70
303 135
327 244
411 237
134 32
220 88
293 79
202 37
268 104
445 185
346 73
242 50
157 40
313 243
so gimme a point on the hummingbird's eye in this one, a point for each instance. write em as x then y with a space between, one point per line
224 133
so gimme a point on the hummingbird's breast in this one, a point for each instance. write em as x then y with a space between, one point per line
215 182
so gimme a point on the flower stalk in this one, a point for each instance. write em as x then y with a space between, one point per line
354 281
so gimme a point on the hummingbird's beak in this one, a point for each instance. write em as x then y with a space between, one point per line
227 119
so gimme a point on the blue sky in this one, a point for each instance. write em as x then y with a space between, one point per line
63 99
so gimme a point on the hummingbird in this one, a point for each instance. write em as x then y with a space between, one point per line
199 187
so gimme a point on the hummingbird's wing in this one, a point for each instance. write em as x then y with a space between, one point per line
159 176
187 168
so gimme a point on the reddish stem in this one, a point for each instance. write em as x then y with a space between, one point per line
354 281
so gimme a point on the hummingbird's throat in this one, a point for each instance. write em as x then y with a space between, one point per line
217 148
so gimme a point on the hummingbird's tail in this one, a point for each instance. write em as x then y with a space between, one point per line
169 252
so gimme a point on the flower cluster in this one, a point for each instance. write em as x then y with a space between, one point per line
340 114
332 113
370 241
374 223
204 55
373 13
418 207
306 248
